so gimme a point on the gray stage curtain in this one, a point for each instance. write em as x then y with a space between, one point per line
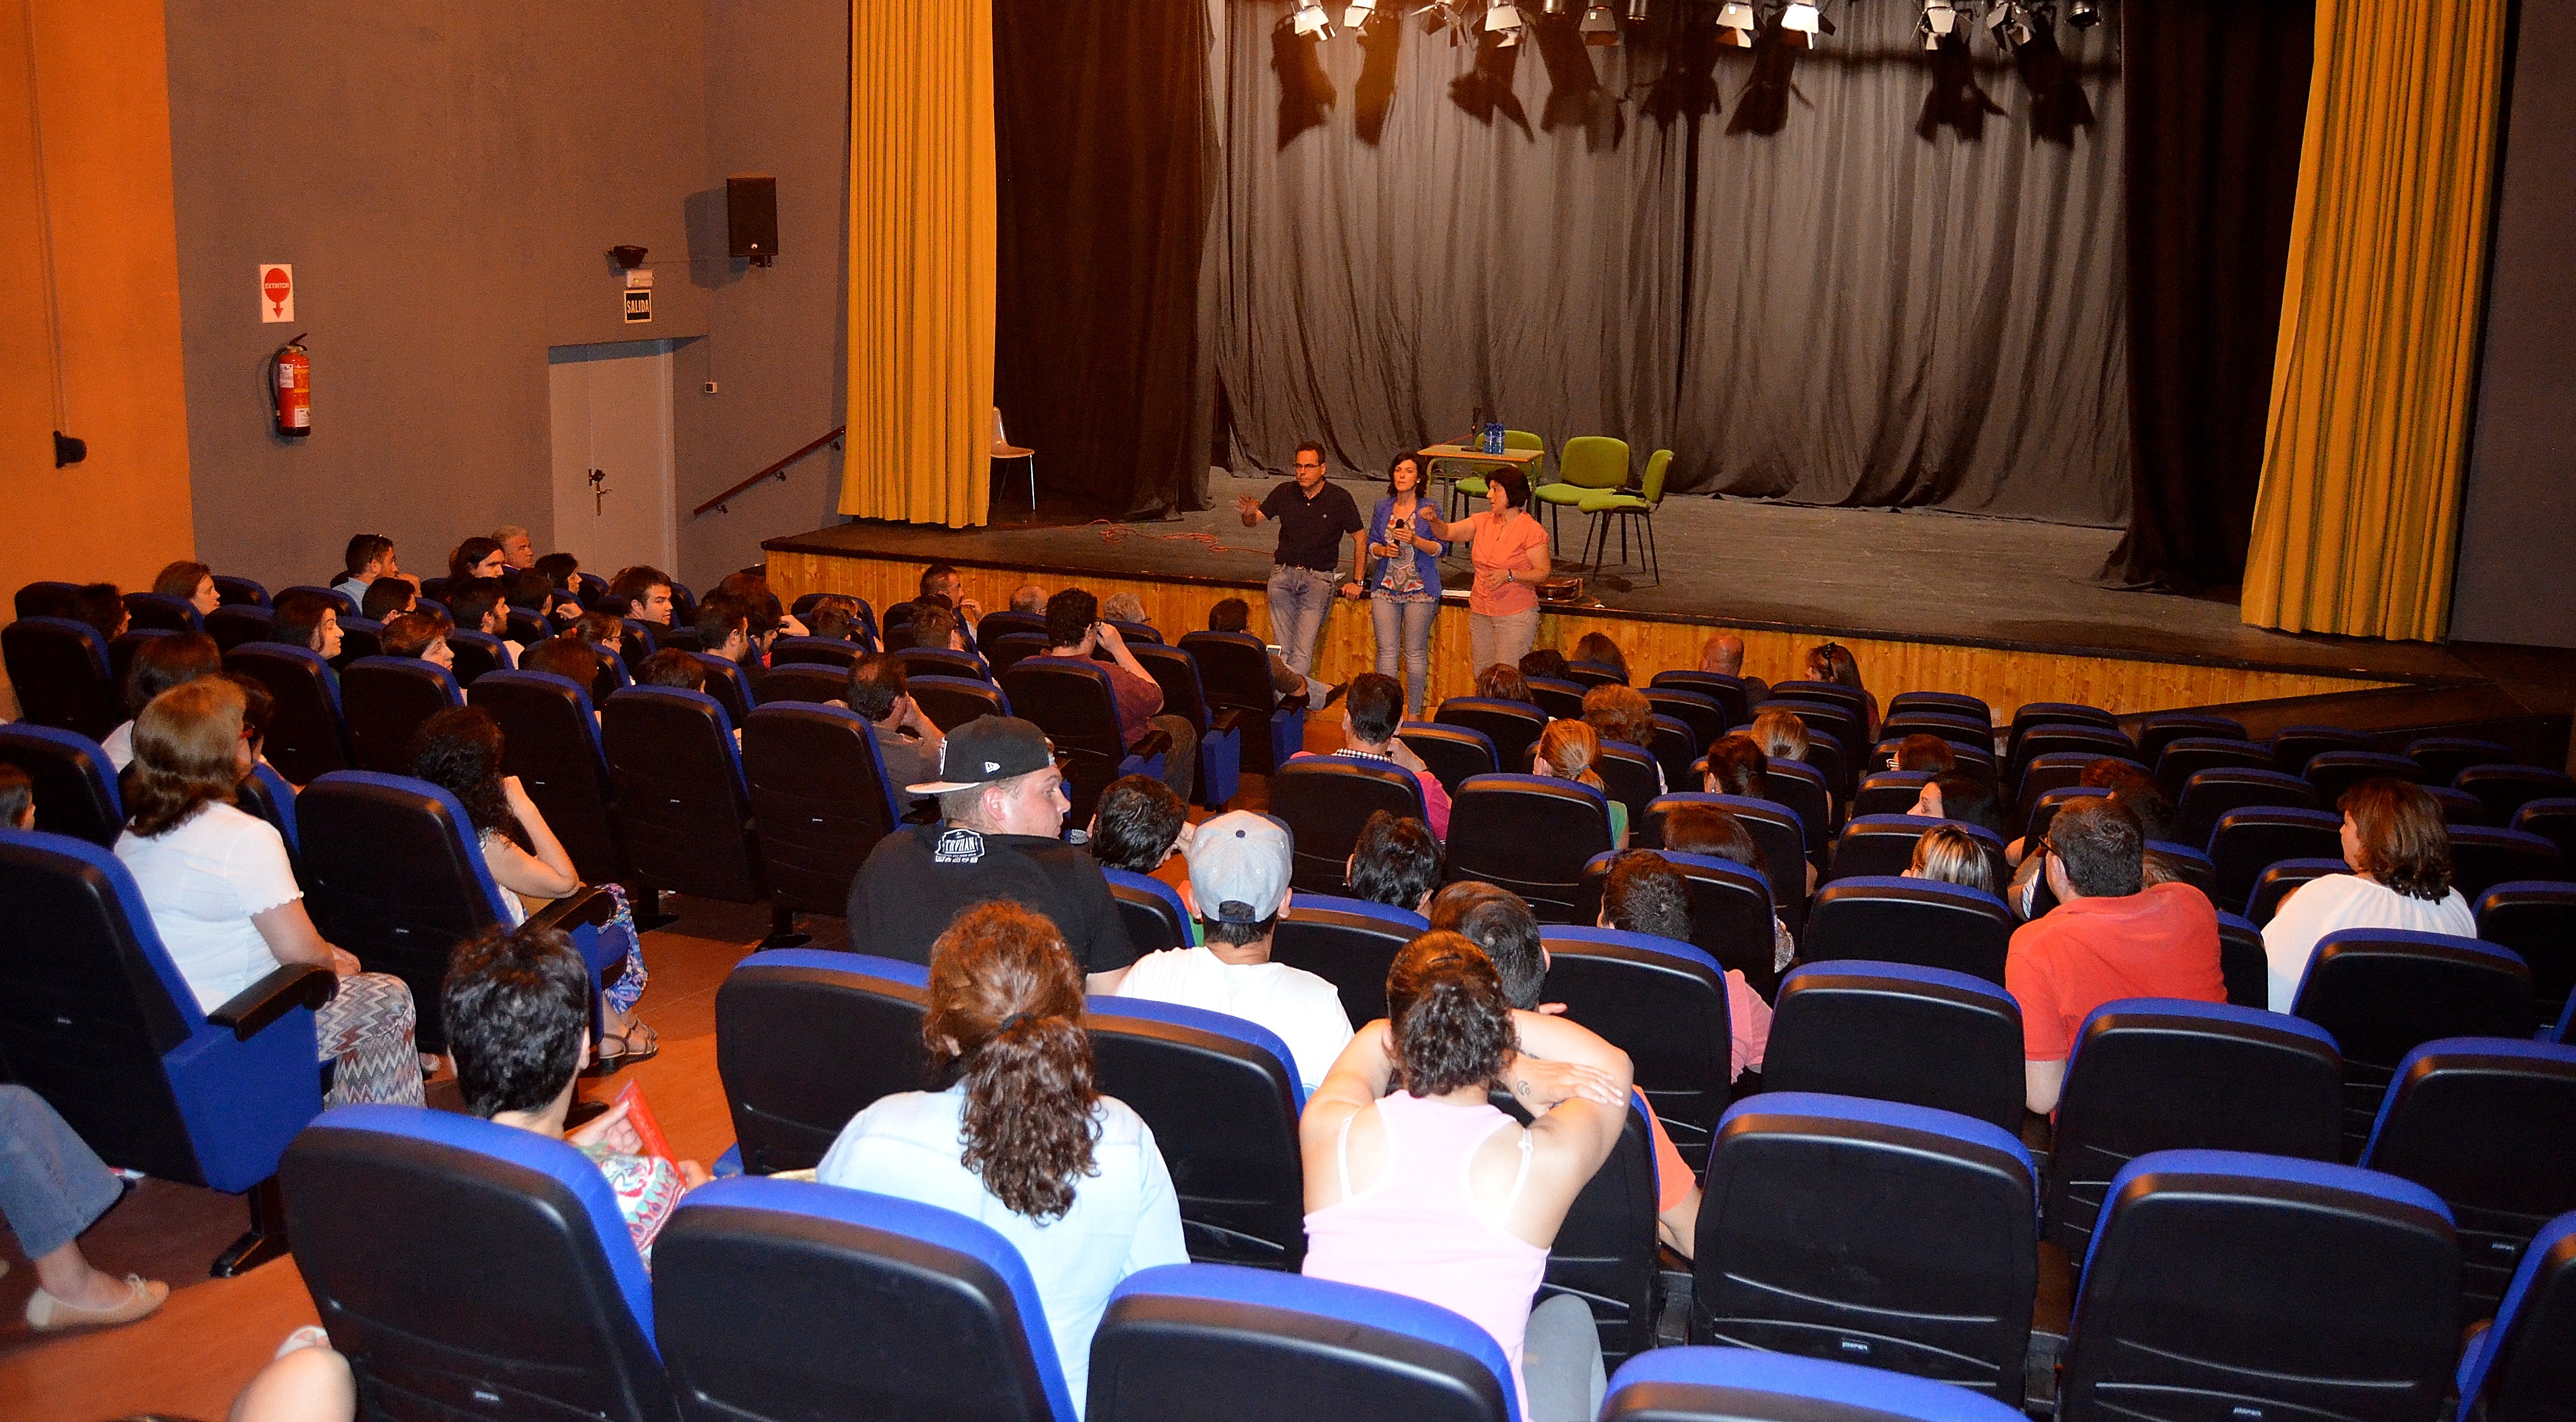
1862 274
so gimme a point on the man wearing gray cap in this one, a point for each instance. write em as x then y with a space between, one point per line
1239 887
1001 809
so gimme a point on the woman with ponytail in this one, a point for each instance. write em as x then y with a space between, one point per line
1021 1138
1566 750
1417 1184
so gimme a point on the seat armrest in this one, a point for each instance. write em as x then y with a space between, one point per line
292 986
1151 744
1226 720
588 906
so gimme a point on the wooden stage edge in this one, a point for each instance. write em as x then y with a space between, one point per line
2004 675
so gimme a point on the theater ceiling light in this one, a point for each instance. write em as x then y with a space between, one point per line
1358 13
1311 19
1940 21
1736 23
2083 14
1802 22
1505 22
1600 25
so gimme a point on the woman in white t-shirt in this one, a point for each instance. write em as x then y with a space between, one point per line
224 899
1023 1142
2400 854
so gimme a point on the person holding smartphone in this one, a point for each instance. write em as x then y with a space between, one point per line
1401 575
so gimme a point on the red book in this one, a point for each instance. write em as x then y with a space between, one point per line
639 1114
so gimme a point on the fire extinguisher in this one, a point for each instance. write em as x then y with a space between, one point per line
293 387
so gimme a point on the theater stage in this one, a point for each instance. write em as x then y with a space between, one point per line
1997 608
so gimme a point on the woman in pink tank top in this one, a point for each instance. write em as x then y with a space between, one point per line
1416 1184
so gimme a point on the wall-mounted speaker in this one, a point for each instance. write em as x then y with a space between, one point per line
751 217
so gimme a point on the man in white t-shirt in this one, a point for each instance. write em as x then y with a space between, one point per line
1239 866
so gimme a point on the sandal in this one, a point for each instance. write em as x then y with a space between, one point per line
638 1043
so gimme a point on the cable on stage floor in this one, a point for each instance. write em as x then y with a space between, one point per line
1114 534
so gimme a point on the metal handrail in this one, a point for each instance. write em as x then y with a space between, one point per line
776 471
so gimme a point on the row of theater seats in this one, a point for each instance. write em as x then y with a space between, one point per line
493 1266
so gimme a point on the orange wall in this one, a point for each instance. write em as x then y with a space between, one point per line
102 72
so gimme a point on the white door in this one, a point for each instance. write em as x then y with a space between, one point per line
613 464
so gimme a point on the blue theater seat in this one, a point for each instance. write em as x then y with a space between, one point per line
1866 1231
2224 1284
1729 692
1948 703
2488 1124
2552 819
2505 789
96 1019
550 740
2482 858
2537 920
1324 801
2189 865
2166 727
1222 1095
1071 701
306 736
2151 1074
813 683
1453 753
1776 830
59 669
2247 840
1889 792
2280 879
465 1267
1803 790
939 661
1663 1003
727 684
2334 772
819 801
2381 993
785 1300
1920 921
160 612
788 1100
1184 1342
231 591
1512 726
682 808
1220 730
75 789
1530 834
2213 792
1883 846
2184 758
1730 911
1896 1032
2444 757
478 654
831 652
2057 770
2242 964
1234 674
1606 1252
1005 651
2523 1367
387 700
1349 943
1151 910
952 701
1741 1385
2294 746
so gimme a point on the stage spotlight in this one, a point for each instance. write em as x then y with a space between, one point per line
1504 22
2082 15
1600 25
1637 12
1358 13
1736 23
2010 24
1802 22
1311 19
1940 21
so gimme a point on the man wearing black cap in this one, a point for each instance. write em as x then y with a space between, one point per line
1001 807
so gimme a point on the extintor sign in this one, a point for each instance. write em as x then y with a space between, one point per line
276 292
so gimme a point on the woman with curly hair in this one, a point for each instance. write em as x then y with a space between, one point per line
2399 850
1417 1184
1070 1177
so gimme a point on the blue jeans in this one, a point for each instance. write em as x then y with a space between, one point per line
1414 620
1299 598
52 1185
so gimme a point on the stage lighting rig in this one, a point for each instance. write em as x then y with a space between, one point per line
1600 25
2010 24
1312 21
1940 21
1637 12
2083 14
1504 21
1736 23
1358 13
1802 22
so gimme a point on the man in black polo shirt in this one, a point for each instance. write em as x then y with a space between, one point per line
1001 807
1313 514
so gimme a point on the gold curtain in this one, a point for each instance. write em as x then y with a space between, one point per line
2357 519
922 261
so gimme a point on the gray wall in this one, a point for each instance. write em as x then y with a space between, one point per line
2518 527
446 178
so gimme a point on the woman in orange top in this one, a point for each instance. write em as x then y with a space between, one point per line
1509 549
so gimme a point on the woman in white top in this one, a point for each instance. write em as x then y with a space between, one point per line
1070 1177
2400 854
224 899
459 750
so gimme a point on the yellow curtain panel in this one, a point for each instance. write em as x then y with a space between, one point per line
2357 519
922 261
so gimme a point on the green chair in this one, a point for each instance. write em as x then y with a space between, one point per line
1624 506
1471 485
1589 464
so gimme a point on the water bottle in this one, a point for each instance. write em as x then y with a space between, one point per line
1494 438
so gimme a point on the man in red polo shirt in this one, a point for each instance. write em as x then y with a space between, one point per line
2109 937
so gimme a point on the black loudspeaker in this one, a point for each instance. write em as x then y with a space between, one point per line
751 217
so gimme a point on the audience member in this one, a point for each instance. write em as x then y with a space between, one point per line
1964 798
1023 1142
1543 664
1314 515
387 599
1463 1214
1499 682
17 798
307 620
528 590
563 571
671 667
1502 925
768 615
1924 751
908 743
1737 765
103 607
1644 893
52 1187
1950 855
1370 716
724 630
1450 906
1138 825
1030 598
1599 650
2399 851
224 898
1714 831
1566 750
2110 936
643 593
517 1007
306 1381
1001 810
370 556
1723 654
1782 734
474 559
159 664
517 552
935 627
1233 614
568 657
1074 631
1623 714
1239 866
1831 661
1396 863
190 582
422 635
943 581
1125 607
834 619
603 630
477 605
